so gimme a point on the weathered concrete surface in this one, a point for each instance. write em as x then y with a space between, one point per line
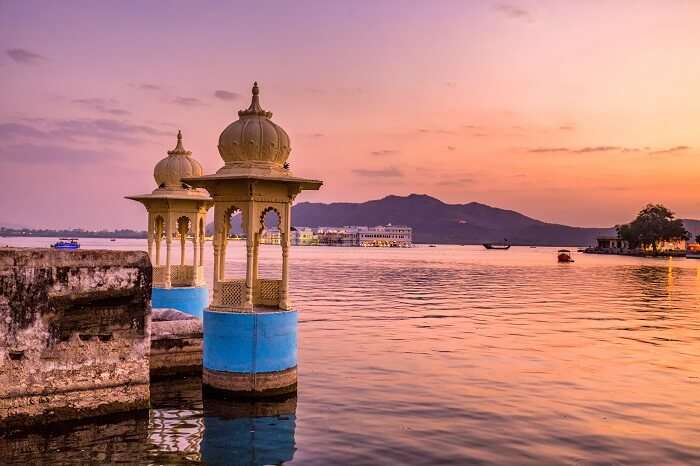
74 334
176 343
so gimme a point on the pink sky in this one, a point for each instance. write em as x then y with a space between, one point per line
570 112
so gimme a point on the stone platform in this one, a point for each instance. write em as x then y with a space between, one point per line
74 334
176 343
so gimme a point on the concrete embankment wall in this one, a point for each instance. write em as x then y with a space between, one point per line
74 334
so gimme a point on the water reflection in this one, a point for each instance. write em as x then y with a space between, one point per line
448 355
111 439
253 433
176 426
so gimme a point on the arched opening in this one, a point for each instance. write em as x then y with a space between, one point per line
232 238
268 240
267 279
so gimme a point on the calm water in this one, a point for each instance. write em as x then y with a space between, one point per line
446 355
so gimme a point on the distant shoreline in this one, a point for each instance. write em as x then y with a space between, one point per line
28 233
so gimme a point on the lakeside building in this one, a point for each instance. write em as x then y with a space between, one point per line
616 245
304 236
350 236
611 243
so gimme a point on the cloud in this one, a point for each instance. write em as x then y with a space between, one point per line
549 149
457 181
102 106
585 150
10 131
435 131
595 149
389 172
384 152
512 11
671 150
29 154
25 57
351 91
149 87
226 95
72 130
451 148
187 101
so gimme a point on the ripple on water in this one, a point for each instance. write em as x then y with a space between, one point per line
453 355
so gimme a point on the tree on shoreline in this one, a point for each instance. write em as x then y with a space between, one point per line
654 224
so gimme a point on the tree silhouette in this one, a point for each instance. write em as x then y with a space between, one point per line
654 223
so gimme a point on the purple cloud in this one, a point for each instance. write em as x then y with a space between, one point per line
25 57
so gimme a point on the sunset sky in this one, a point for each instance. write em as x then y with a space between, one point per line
569 112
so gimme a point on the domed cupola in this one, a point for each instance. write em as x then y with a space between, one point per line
253 143
179 164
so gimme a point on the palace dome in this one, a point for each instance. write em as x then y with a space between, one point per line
179 164
254 141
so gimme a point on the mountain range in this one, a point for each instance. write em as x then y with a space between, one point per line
434 221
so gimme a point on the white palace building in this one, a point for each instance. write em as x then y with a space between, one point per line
359 236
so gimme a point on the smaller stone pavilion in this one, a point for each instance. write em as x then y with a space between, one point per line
250 328
177 212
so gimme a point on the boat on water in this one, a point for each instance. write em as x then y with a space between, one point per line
693 251
564 255
113 240
501 246
66 243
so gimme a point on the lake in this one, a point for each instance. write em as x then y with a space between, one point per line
444 355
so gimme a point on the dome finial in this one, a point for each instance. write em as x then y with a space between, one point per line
255 108
179 148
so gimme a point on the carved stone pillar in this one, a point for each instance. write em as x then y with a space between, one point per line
183 241
150 237
284 298
222 255
256 253
168 247
195 259
202 239
249 272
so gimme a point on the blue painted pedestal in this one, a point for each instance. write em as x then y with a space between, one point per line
250 354
189 299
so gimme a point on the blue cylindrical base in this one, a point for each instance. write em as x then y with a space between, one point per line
189 299
250 354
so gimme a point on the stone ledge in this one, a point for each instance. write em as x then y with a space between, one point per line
176 343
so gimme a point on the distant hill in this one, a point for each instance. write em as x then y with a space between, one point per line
434 221
693 227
